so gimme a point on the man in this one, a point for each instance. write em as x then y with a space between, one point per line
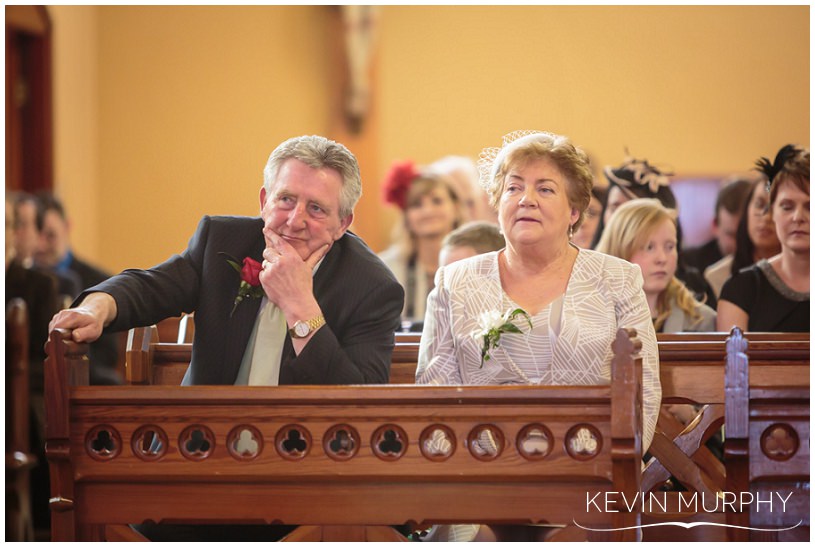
39 292
470 239
54 255
28 226
322 310
26 230
54 249
729 205
334 305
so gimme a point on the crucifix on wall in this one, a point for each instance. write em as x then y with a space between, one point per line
360 26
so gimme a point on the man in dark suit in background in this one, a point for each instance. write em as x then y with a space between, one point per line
314 305
54 254
729 205
28 225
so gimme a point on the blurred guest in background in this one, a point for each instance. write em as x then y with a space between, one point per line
643 232
773 294
638 179
430 210
39 292
26 229
584 235
463 172
729 205
470 239
755 238
28 225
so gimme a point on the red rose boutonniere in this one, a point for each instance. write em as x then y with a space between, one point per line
250 279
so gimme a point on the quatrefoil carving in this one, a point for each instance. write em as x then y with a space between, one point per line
779 442
341 442
389 442
103 442
196 442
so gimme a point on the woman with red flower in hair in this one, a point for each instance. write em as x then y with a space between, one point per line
431 209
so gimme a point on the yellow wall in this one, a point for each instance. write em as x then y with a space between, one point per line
172 111
76 131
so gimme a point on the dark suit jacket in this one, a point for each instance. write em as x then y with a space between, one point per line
89 275
703 256
359 297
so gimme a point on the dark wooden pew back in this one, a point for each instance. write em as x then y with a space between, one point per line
19 458
767 448
339 455
691 372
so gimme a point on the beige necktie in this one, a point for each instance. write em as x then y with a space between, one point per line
271 335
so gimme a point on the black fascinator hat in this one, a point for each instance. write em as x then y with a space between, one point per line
639 179
772 169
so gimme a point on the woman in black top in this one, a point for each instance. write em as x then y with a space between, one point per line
773 294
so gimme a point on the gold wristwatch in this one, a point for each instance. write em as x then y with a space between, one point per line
302 329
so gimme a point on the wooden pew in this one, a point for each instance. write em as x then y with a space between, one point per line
19 459
685 359
767 446
340 459
691 371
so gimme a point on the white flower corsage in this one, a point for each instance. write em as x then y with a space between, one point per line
492 325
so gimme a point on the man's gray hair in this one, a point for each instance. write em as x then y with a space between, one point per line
318 152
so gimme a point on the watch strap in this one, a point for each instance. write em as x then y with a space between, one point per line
313 324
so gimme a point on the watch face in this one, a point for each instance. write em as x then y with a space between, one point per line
301 329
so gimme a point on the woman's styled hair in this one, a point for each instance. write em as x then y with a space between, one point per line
629 231
522 147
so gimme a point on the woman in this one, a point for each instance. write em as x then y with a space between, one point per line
639 179
574 299
631 180
584 235
773 294
756 239
431 210
643 232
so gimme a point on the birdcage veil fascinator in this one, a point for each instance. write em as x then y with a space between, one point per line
491 158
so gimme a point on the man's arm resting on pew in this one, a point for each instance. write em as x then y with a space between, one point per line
94 313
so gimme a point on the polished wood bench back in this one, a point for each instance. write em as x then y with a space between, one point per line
691 371
339 455
767 409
